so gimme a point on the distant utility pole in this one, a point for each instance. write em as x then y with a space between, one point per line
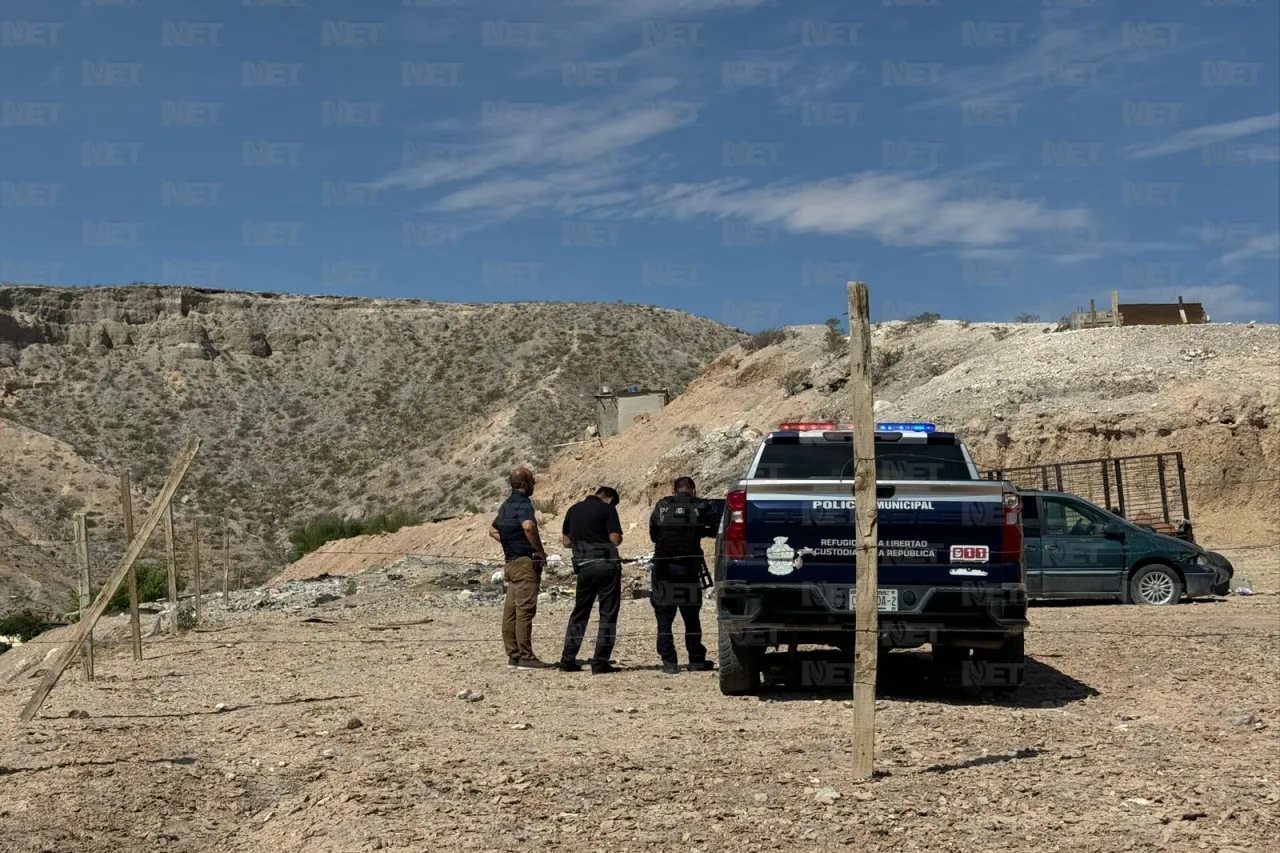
866 616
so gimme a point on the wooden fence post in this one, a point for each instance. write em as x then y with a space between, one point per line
135 622
195 564
87 621
866 568
86 590
171 555
226 561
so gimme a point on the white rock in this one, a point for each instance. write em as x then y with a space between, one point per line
498 577
544 598
827 796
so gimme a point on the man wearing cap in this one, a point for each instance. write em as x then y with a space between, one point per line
592 528
516 529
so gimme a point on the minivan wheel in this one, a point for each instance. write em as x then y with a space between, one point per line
1157 585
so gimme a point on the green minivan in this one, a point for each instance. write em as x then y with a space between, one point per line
1075 549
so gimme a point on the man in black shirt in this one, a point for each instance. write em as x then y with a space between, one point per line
516 528
677 527
593 530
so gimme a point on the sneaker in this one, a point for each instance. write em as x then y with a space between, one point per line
671 668
512 663
570 666
603 668
532 663
701 666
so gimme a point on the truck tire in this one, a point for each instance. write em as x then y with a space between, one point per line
1156 584
950 663
739 667
1009 663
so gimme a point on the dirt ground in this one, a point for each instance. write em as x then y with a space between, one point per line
1136 729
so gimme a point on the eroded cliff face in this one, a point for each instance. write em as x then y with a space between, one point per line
316 404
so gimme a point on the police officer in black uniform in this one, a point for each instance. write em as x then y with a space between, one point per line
677 527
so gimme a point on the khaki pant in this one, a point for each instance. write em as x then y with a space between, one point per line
523 578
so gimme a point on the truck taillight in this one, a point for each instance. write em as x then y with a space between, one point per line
1011 533
735 535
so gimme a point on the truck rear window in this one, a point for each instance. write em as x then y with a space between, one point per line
834 461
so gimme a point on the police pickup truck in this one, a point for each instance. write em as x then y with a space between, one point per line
951 572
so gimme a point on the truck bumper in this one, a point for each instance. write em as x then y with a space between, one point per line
770 614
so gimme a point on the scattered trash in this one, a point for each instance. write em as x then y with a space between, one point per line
219 708
520 727
469 696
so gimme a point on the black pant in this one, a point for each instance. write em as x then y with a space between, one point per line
683 595
599 579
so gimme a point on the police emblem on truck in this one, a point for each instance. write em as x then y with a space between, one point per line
783 559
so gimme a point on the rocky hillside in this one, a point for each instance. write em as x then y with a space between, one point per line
305 404
1019 394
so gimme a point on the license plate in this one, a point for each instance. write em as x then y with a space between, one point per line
886 599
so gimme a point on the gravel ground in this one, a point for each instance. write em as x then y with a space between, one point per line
1137 729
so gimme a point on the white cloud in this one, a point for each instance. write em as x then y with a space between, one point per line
895 209
1221 301
1072 57
1206 135
1261 247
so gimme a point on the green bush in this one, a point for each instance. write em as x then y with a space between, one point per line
26 626
928 318
328 527
766 338
546 507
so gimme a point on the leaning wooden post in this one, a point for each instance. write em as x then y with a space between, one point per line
135 622
195 563
88 620
171 554
86 590
866 617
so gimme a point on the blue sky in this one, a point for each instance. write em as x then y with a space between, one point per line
741 159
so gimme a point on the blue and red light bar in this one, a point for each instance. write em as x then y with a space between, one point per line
806 426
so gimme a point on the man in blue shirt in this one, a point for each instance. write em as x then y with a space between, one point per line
516 529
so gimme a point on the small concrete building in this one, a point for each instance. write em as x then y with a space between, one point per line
617 410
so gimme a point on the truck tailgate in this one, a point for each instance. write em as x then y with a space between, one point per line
934 533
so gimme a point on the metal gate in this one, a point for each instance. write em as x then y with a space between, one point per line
1142 489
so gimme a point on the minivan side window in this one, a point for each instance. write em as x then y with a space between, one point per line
1064 519
1030 516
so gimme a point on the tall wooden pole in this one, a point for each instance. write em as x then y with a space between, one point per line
86 590
866 616
135 622
226 561
195 563
1115 308
171 554
88 620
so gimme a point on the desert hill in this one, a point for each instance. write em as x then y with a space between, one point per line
305 405
1019 394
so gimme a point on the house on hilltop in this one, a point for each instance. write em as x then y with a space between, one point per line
1139 314
617 410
